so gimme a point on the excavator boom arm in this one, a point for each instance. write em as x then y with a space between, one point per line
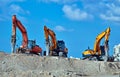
105 34
50 33
13 40
17 23
46 34
97 43
54 42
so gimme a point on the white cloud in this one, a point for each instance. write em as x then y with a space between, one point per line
112 13
108 10
15 9
110 17
8 8
61 29
74 13
104 9
115 9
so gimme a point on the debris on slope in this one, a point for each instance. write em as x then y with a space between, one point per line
24 65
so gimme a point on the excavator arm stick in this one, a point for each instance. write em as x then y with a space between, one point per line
97 43
50 46
13 40
16 23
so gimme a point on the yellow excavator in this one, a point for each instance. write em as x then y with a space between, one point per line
54 47
100 52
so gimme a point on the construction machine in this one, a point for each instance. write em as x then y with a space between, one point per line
99 52
28 46
54 47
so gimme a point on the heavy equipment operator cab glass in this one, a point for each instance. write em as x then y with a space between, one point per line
31 43
102 50
61 45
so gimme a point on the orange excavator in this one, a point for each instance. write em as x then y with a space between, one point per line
54 47
33 48
100 52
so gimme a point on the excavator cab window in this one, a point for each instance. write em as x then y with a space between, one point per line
31 44
102 50
61 45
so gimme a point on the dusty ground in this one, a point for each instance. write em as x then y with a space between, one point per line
23 65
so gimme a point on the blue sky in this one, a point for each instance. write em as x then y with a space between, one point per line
77 22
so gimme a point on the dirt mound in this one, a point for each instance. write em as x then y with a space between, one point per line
24 65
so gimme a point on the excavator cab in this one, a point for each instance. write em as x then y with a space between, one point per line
35 49
31 49
31 43
102 48
88 54
60 45
61 48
